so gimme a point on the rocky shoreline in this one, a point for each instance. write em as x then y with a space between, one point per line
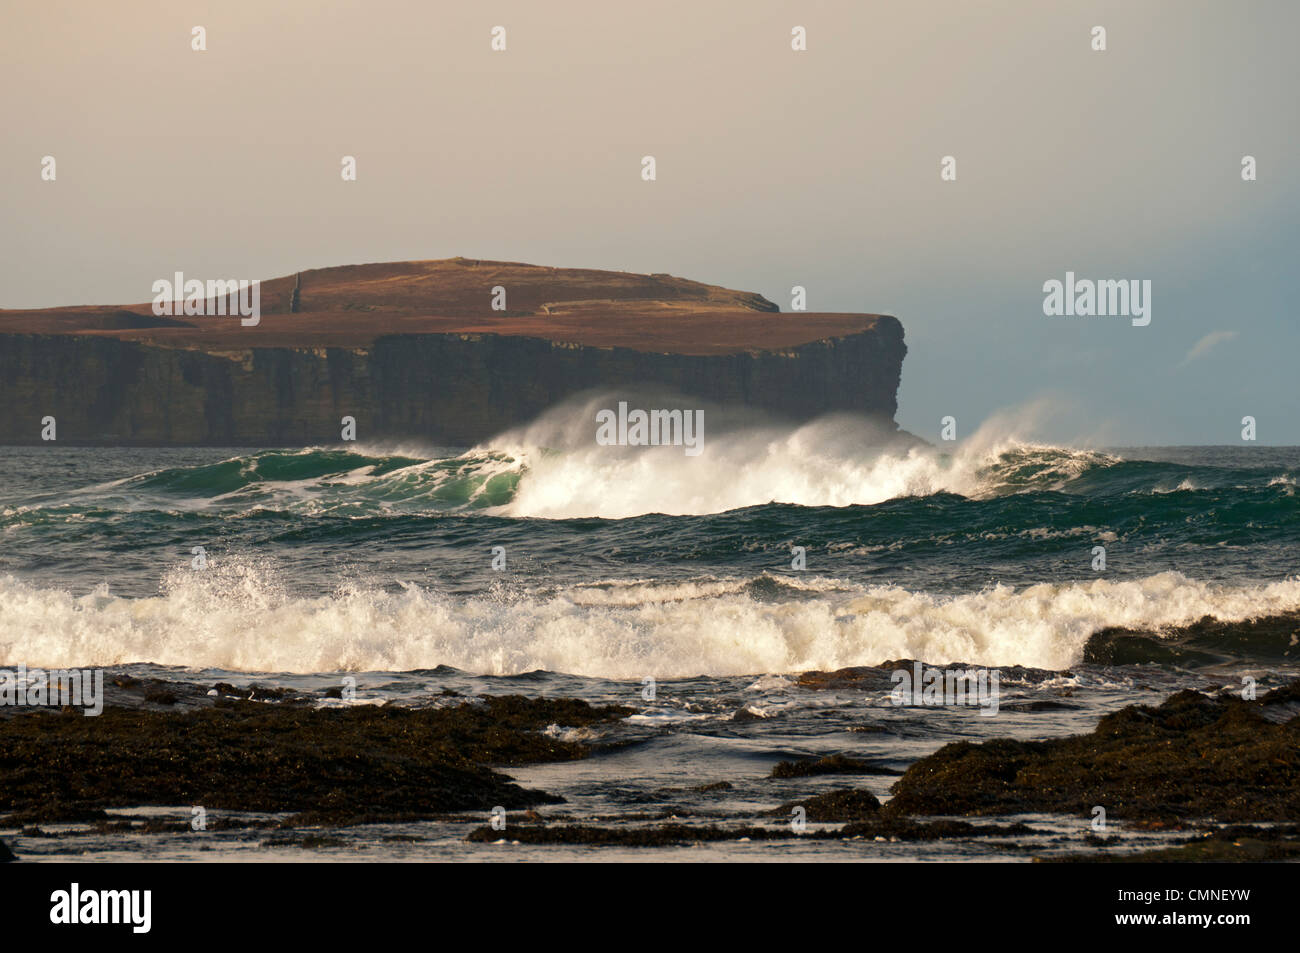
1219 772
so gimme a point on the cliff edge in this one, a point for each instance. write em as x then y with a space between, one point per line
417 350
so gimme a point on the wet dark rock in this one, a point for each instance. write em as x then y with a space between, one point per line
831 764
54 812
906 829
1034 706
845 804
875 678
1166 822
125 691
662 836
330 817
155 694
123 824
711 788
260 693
307 841
329 765
1192 757
6 855
1204 642
666 835
861 676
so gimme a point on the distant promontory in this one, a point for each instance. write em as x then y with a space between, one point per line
417 350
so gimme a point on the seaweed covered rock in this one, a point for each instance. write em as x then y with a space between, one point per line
1194 756
332 765
843 804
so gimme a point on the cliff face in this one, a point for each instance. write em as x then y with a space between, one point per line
453 380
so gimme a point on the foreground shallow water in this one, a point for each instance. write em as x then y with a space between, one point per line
701 753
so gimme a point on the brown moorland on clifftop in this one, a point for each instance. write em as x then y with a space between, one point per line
352 305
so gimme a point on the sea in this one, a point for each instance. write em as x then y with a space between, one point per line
695 589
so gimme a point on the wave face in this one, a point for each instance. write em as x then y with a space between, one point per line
811 466
621 563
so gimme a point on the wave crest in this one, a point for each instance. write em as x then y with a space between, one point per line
553 469
240 618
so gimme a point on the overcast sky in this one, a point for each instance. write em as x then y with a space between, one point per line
775 168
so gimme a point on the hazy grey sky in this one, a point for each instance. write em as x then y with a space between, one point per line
775 168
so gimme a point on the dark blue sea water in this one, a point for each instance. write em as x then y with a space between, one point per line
378 562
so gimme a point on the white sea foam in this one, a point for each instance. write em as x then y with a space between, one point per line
562 473
832 461
239 618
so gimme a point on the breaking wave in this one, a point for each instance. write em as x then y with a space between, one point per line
238 617
554 470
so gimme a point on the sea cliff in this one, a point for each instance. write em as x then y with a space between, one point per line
415 350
